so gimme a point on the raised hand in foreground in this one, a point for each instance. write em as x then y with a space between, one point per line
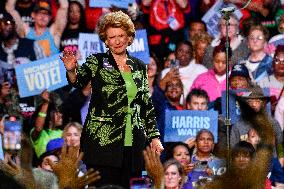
67 169
22 173
154 167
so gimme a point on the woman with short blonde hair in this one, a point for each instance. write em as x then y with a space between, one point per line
72 134
115 20
120 109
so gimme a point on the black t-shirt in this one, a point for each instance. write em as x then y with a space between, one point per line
26 14
69 39
2 8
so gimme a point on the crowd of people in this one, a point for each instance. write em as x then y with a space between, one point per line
107 126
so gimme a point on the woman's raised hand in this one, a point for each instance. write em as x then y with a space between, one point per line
69 59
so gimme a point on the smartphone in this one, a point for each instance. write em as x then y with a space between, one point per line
174 64
200 165
12 134
140 183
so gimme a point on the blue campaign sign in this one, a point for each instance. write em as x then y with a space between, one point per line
139 48
108 3
213 15
88 43
181 125
234 108
36 76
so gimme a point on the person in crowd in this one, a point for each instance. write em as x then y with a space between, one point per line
173 174
200 42
239 77
25 8
72 134
47 37
276 175
44 162
202 156
196 26
276 79
167 98
47 121
258 62
14 49
238 43
75 25
242 154
276 40
169 58
255 173
197 99
120 108
165 23
181 152
153 72
65 169
256 100
183 65
214 80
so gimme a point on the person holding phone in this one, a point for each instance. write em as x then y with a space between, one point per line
120 110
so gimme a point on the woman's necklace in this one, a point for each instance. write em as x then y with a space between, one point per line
121 64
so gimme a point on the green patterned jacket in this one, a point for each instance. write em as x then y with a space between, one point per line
102 138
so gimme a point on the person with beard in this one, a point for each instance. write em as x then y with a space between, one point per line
167 98
256 100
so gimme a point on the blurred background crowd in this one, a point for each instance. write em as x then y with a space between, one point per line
187 71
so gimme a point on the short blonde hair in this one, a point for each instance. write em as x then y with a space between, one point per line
77 125
202 37
116 20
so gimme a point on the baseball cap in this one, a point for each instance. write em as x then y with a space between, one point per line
42 5
239 70
54 144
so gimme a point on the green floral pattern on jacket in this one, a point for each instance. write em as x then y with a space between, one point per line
105 123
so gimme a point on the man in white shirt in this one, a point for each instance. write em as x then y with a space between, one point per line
186 69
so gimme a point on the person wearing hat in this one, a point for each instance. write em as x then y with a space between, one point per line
47 37
239 77
256 100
